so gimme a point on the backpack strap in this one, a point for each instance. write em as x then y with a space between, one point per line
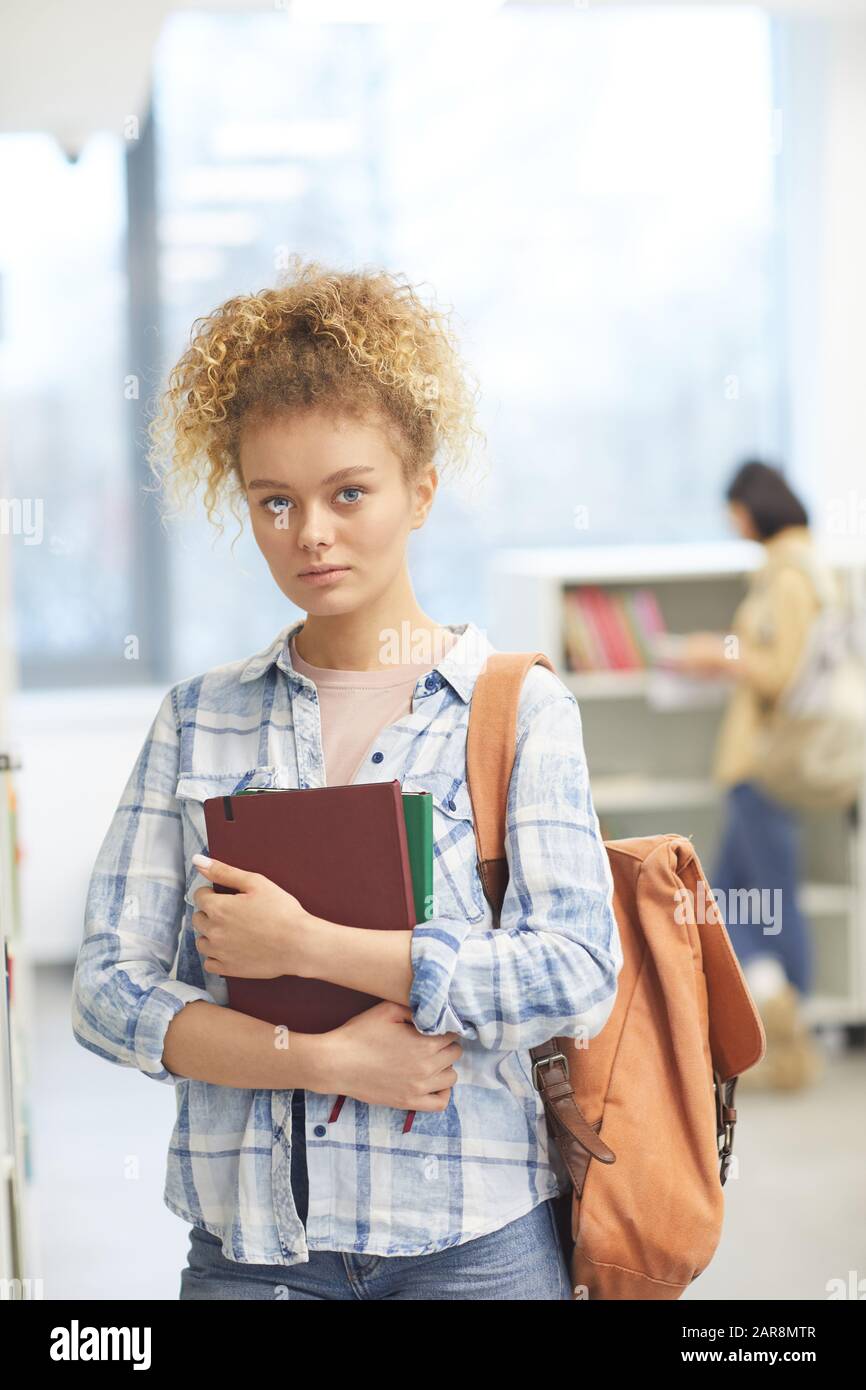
490 751
804 559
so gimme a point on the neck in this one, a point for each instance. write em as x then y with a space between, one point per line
794 532
393 630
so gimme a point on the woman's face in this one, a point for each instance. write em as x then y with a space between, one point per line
305 516
741 518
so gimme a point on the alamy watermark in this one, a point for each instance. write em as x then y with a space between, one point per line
22 516
754 906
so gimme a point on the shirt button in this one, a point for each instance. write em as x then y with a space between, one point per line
377 757
430 682
320 1130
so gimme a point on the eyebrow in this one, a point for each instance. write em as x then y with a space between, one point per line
331 478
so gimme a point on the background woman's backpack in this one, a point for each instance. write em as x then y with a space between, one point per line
650 1098
811 749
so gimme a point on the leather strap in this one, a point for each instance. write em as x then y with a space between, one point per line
726 1119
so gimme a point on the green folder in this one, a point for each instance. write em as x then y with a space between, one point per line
418 815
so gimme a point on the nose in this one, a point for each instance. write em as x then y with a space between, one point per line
313 530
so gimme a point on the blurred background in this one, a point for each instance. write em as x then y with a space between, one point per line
650 221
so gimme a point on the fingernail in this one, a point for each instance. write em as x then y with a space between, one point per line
202 861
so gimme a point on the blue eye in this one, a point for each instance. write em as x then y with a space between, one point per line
352 489
267 503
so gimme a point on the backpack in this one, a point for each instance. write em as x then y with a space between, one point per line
811 749
643 1117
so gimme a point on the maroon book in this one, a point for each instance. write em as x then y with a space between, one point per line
342 851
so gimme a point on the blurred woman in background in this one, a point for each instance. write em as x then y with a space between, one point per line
760 847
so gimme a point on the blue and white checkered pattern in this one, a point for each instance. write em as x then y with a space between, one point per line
549 969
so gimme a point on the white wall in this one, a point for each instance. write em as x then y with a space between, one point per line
77 750
840 432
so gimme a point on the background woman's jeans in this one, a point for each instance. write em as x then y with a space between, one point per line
522 1260
760 849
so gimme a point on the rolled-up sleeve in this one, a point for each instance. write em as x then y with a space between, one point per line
123 995
550 968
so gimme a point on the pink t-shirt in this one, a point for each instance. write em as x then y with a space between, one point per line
355 707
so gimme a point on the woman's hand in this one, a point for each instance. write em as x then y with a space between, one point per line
380 1057
256 933
706 654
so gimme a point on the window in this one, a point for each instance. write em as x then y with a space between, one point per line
68 483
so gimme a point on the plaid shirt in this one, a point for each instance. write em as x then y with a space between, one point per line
550 969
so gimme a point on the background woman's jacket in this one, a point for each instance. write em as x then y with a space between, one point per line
772 624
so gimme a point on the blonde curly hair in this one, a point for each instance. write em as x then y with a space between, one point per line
358 343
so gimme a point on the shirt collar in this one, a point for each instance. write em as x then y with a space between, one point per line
460 666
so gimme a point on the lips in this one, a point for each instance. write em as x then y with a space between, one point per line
327 578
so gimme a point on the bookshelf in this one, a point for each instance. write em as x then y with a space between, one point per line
650 737
14 1126
15 1004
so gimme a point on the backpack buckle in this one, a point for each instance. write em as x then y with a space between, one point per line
541 1061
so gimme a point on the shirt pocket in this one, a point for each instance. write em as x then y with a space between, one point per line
457 890
193 790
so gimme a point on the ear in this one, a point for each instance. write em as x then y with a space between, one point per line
425 490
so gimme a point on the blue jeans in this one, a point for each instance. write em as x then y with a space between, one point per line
760 850
523 1260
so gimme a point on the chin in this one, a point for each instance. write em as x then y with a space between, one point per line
315 601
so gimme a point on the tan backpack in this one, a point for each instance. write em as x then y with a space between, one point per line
650 1098
810 749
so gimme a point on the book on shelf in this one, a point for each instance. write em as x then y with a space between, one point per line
611 629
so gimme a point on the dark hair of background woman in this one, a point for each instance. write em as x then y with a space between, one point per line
767 496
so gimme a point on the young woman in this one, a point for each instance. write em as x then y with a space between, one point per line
324 406
760 841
